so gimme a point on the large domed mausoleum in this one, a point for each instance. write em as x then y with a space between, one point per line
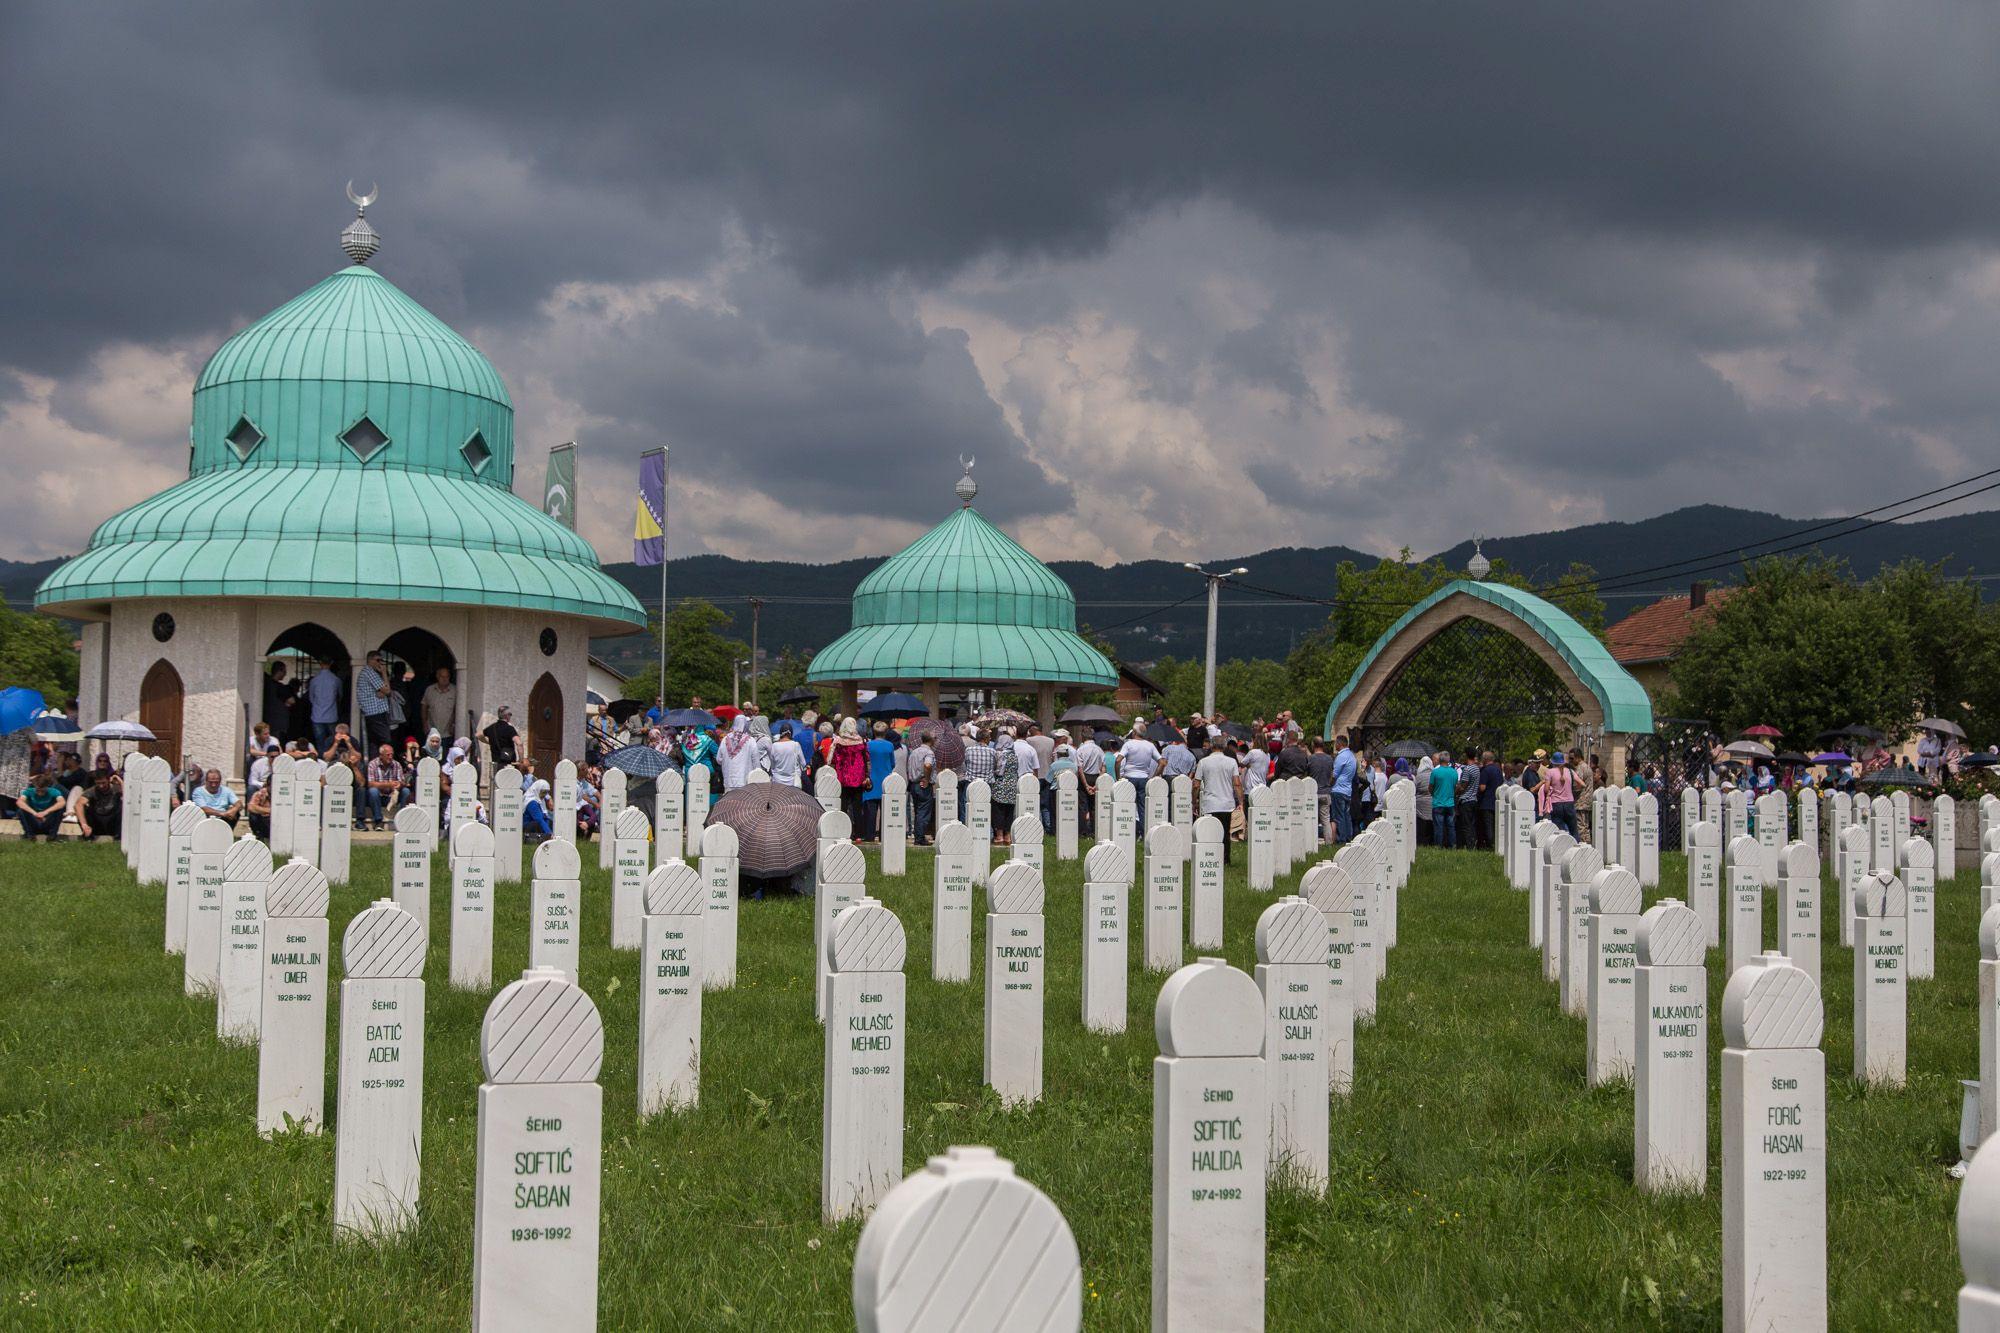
964 606
350 471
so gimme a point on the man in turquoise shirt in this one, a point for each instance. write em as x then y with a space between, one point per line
1444 801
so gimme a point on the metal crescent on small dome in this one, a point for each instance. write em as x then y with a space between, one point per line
966 487
362 201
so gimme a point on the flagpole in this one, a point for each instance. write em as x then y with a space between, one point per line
662 691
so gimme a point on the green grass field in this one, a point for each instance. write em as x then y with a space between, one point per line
1476 1182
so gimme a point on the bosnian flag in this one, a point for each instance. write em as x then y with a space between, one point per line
649 524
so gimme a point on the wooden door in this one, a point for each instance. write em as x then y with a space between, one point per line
160 713
545 725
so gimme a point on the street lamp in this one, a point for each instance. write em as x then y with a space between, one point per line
1214 595
736 680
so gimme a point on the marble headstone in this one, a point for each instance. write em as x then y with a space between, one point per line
1166 864
630 864
562 801
720 861
1919 874
611 804
1205 901
239 1003
896 823
861 1130
1612 1016
1066 815
1015 983
291 1053
555 910
670 986
1798 906
208 856
1107 883
379 1129
979 819
1670 1068
840 887
336 831
507 842
1291 973
951 904
472 907
186 818
411 854
1329 888
1744 938
1881 981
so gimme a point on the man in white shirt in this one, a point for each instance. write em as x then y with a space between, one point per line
1089 772
1138 759
1215 780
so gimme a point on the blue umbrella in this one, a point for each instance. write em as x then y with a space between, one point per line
687 717
640 761
55 727
894 704
19 707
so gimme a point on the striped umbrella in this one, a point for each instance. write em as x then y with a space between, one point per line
947 745
777 828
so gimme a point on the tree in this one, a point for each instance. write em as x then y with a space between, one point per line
699 657
38 653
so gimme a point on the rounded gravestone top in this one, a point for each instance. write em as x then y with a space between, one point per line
1028 829
296 888
632 824
1882 808
615 780
843 864
1291 930
1014 887
1989 868
1989 938
954 839
1255 796
1541 831
1771 1005
1648 803
893 785
1854 838
1365 859
508 774
284 763
1329 887
210 837
1615 891
866 937
1123 790
248 859
1744 849
1207 829
835 825
463 772
557 858
978 789
414 819
1979 1222
675 889
697 773
1556 846
1106 863
1209 1008
565 768
183 821
339 775
1163 842
428 766
472 838
1704 833
1581 863
1918 854
1881 895
943 1244
719 840
1671 935
1799 861
542 1029
1066 780
383 940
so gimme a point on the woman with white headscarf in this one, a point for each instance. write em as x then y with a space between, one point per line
739 754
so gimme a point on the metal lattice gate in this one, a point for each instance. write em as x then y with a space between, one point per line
1472 686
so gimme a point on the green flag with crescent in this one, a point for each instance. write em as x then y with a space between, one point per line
559 485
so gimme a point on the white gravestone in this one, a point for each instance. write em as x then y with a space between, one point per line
946 803
1773 810
412 854
1555 921
536 1201
1066 815
967 1244
1209 1139
336 832
630 865
1649 841
472 908
1181 804
208 855
698 798
896 824
430 785
1944 837
610 805
861 1132
133 770
239 995
1027 804
1372 872
840 887
1015 984
826 787
951 904
507 842
1735 816
1263 837
1205 901
284 804
155 803
1690 813
291 1054
1520 874
1808 820
1919 875
1158 807
562 802
307 778
1882 840
1670 1065
1027 840
555 910
1103 828
979 819
1107 877
1163 930
720 858
1628 829
1609 1028
1881 987
1978 1246
1745 936
186 818
1773 1150
1329 888
1711 809
1854 862
670 985
1367 957
1989 880
669 816
1580 867
1899 809
1125 816
1798 907
1989 1025
1531 879
379 1128
1291 973
834 826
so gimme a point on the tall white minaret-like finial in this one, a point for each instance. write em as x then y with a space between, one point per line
359 239
1479 566
966 487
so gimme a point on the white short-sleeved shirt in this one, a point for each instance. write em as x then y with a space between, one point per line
1217 775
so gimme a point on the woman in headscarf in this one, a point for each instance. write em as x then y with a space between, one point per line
739 754
848 754
698 747
1006 786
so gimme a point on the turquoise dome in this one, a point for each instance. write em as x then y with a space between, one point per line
963 602
347 445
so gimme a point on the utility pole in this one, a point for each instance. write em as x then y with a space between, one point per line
1214 596
736 666
756 613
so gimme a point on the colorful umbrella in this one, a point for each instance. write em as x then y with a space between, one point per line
20 706
1761 730
1833 757
777 828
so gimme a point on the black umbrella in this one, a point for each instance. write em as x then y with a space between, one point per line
1237 731
620 709
798 694
688 717
1979 761
777 828
1162 732
1091 715
1105 740
893 705
640 761
1898 777
1792 757
1408 749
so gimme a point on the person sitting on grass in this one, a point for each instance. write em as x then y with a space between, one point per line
260 813
40 807
217 799
535 819
100 808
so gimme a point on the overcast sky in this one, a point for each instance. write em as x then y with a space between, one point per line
1189 281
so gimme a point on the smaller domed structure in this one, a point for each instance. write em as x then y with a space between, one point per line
965 605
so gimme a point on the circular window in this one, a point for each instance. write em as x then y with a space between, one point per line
163 627
548 643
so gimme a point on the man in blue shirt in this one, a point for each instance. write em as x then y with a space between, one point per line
1490 779
1444 802
323 693
217 799
1342 793
372 688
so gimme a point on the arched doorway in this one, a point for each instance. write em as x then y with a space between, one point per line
160 695
545 725
302 650
414 656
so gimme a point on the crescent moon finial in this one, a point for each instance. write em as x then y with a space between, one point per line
361 201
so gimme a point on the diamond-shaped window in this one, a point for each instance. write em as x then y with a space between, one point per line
475 451
364 439
243 438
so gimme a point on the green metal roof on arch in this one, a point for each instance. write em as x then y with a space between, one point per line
1627 707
